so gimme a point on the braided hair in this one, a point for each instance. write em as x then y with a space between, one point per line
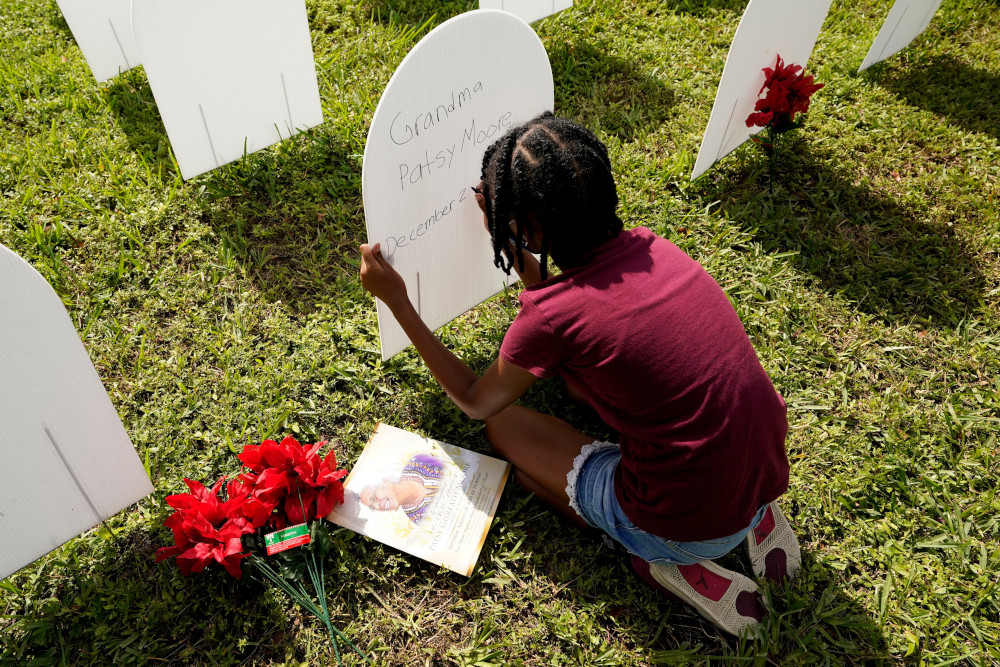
556 174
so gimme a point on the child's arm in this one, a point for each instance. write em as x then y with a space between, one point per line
532 268
478 397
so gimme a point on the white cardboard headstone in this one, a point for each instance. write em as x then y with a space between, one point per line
229 76
769 28
529 10
906 20
459 89
103 31
68 462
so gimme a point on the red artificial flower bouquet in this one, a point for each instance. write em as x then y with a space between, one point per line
789 91
262 515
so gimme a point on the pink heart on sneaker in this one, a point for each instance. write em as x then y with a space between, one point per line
749 604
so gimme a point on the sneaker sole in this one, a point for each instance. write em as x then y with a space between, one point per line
739 609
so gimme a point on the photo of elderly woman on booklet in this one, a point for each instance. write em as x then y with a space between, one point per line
414 492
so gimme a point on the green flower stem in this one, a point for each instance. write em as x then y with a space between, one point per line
772 157
317 575
321 578
300 596
319 585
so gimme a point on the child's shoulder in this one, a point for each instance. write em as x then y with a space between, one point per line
647 235
642 241
642 237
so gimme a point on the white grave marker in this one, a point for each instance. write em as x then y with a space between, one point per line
769 28
228 76
906 20
465 84
68 462
103 31
529 10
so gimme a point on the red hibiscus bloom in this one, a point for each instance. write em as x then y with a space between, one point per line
206 529
759 119
253 509
293 479
788 93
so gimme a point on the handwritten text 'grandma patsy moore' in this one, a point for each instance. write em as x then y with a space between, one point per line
438 158
472 136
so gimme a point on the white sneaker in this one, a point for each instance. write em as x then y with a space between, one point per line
727 598
774 551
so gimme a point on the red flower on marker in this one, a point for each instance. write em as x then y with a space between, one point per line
206 529
788 93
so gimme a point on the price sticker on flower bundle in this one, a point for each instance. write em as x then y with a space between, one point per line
289 538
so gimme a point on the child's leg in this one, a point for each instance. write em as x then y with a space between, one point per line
542 449
551 500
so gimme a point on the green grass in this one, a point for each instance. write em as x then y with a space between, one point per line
227 308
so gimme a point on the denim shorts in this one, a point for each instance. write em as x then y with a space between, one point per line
590 487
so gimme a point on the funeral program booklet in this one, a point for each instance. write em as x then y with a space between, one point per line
427 498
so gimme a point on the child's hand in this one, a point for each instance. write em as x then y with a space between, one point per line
379 278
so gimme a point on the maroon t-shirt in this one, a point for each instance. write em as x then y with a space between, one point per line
652 342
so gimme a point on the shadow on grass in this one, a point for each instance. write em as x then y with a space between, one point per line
703 7
858 243
293 217
415 12
561 568
607 92
536 572
290 214
557 570
813 620
131 100
125 609
58 21
966 96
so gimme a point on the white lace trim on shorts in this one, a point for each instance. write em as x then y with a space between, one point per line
578 462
